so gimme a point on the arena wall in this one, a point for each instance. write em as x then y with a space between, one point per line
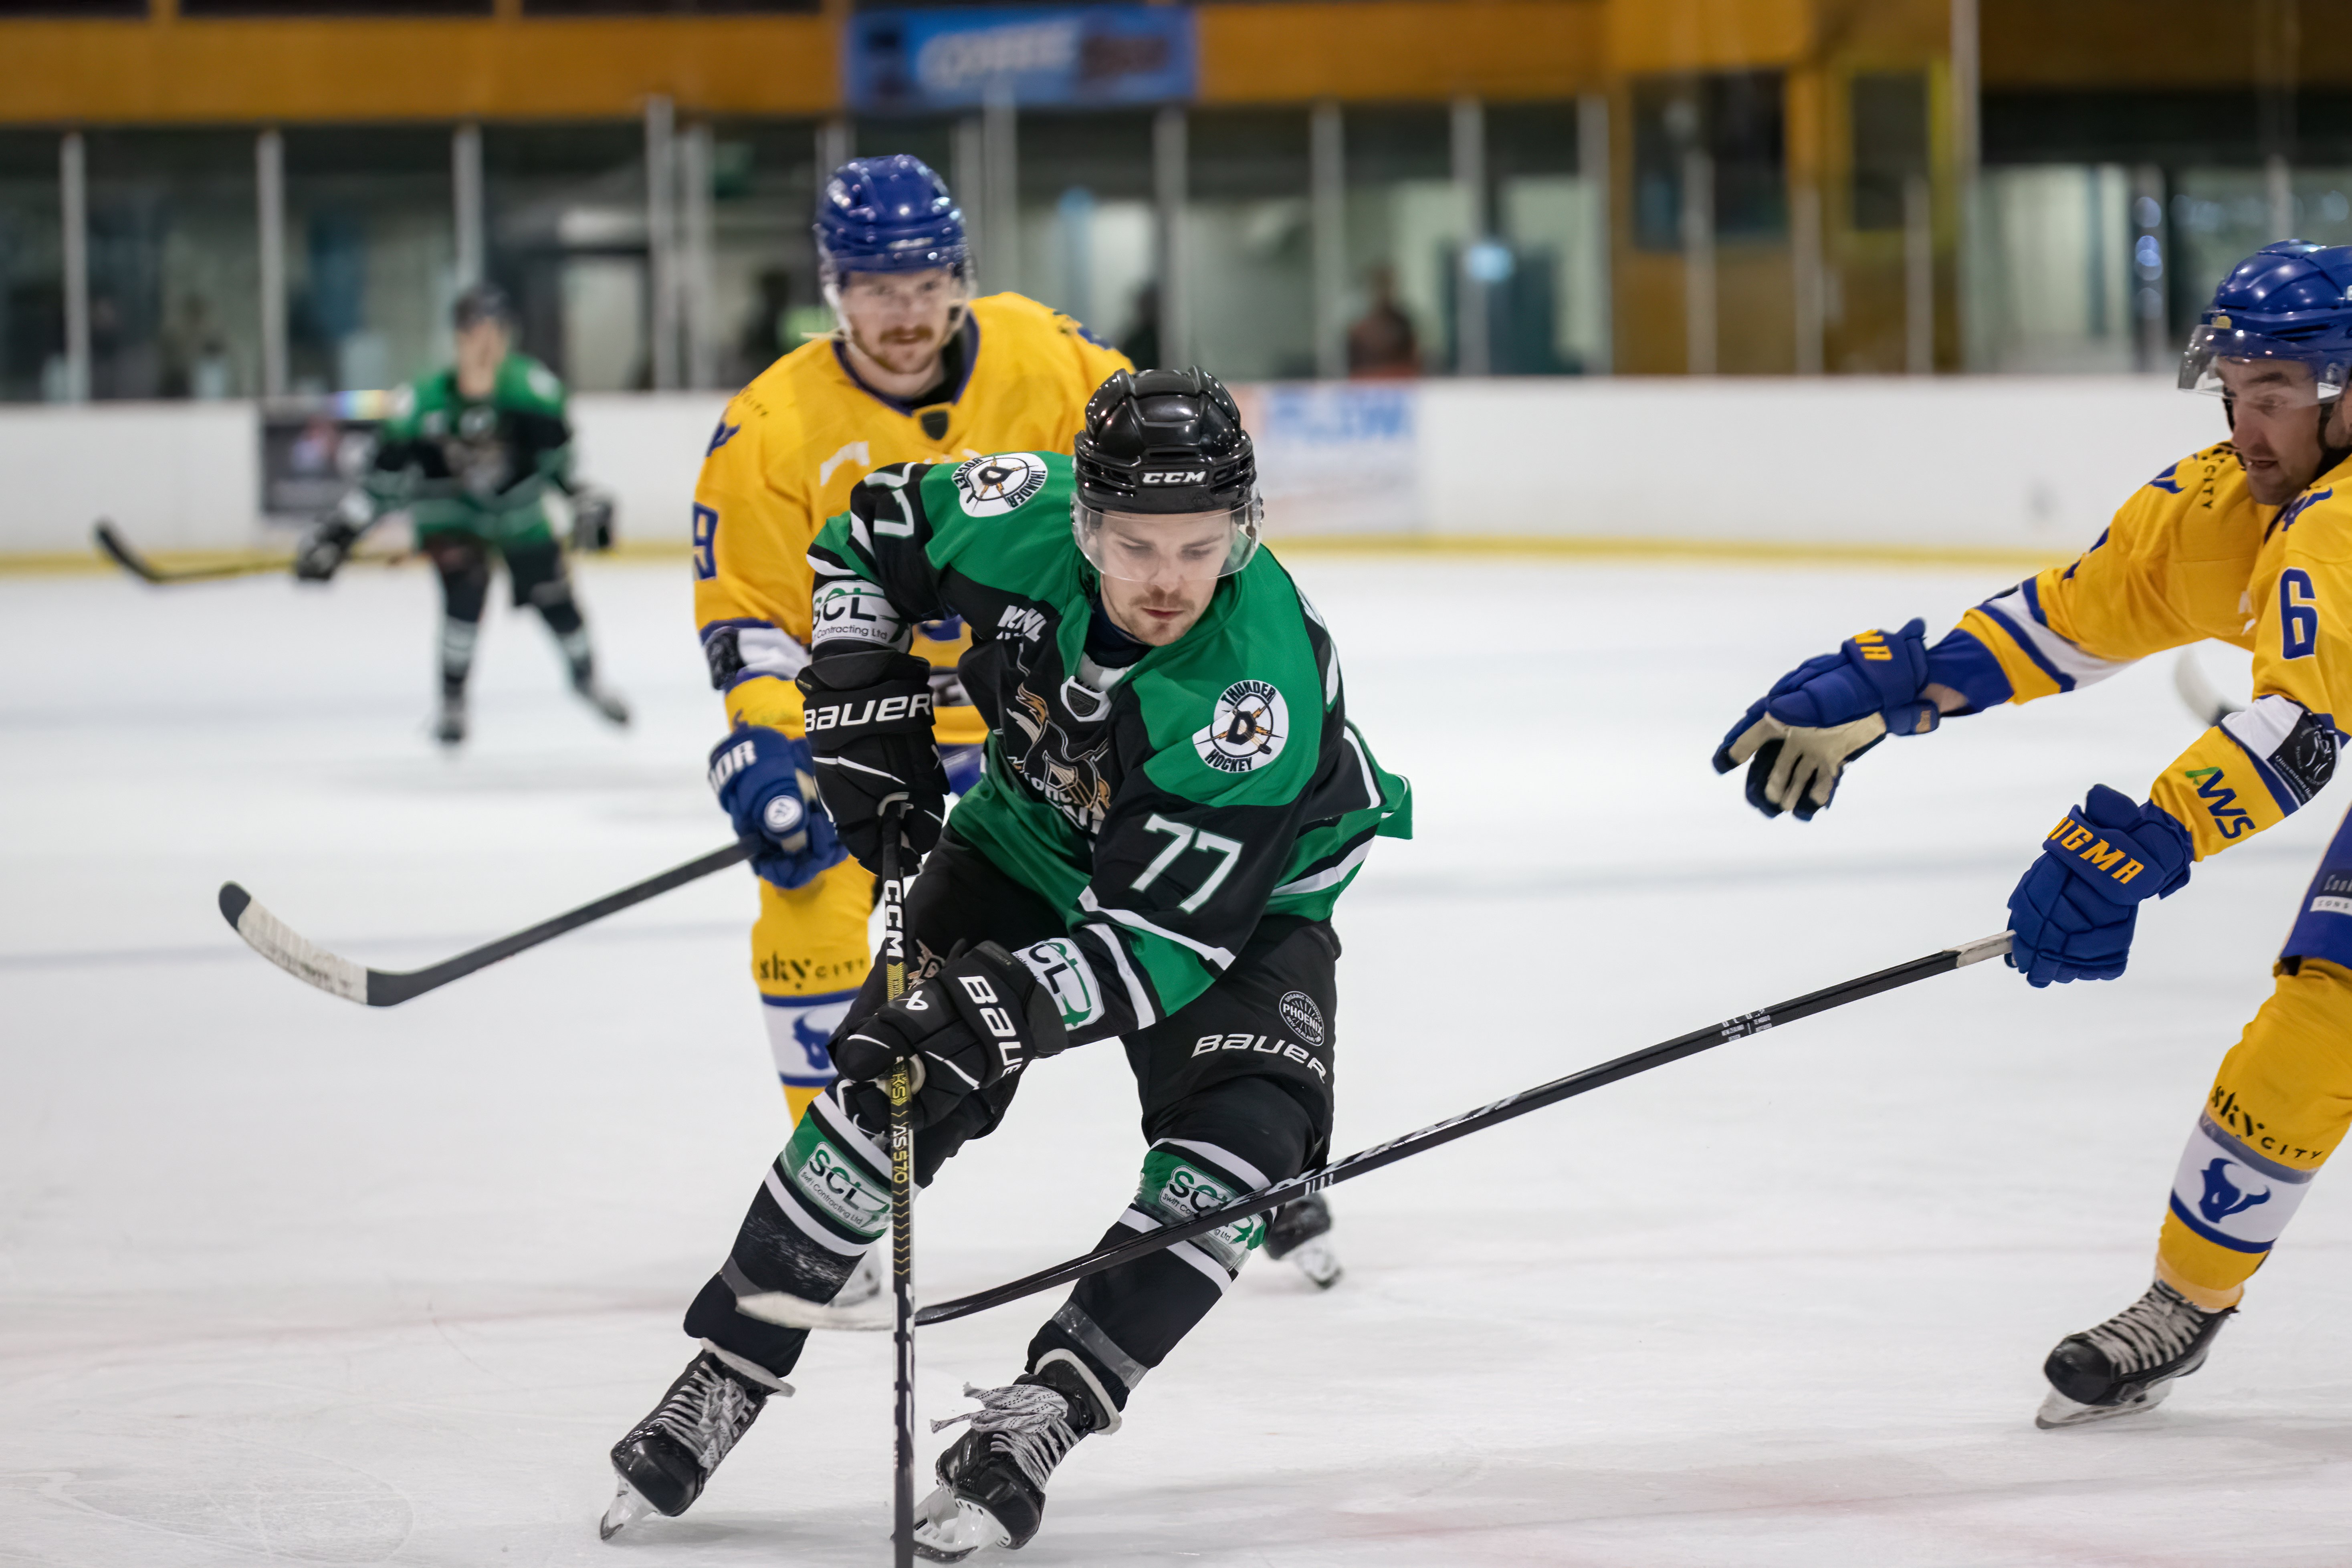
1850 465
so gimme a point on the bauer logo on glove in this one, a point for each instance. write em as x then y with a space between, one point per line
876 713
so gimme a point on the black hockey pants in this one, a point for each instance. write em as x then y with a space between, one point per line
1232 1096
535 568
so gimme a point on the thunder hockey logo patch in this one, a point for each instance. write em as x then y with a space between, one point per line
991 487
1246 730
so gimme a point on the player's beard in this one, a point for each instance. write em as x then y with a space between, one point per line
901 351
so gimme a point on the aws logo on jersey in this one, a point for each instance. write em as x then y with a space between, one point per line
2230 819
991 487
1246 728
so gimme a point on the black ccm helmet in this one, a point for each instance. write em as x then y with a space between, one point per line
1160 442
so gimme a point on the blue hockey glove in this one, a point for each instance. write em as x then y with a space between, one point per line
766 783
1824 713
2073 914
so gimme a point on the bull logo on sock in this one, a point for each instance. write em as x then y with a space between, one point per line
2224 1197
815 1043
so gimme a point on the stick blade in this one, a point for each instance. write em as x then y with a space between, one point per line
786 1311
289 950
2197 693
112 545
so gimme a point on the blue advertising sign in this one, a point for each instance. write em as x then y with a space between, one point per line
960 58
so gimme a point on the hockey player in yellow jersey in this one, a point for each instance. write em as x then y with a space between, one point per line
2249 543
916 373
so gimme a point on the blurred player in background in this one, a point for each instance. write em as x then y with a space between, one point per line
470 454
2249 543
915 371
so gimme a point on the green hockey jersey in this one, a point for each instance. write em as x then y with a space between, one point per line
480 467
1165 807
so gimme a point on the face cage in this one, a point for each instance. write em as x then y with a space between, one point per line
1245 521
2208 346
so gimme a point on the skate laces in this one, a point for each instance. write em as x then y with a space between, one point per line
2152 1331
707 1411
1027 1421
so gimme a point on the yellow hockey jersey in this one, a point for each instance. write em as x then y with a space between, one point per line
2193 555
793 443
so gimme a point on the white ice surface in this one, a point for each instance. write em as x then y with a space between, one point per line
284 1278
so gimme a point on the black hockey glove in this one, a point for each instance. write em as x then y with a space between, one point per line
977 1021
869 718
591 521
323 551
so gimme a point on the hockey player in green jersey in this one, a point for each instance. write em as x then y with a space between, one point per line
470 454
1173 803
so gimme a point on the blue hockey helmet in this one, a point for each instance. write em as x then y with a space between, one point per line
888 214
2290 301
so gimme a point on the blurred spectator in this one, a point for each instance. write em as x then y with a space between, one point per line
1140 341
762 342
1381 344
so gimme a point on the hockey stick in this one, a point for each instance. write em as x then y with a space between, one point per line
902 1193
1505 1110
2209 706
119 550
305 960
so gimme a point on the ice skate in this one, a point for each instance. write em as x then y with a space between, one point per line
449 727
1301 1231
602 697
991 1488
2128 1364
664 1462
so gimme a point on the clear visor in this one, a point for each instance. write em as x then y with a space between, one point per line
2262 372
1167 547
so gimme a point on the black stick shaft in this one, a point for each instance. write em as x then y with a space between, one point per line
305 960
120 551
902 1205
401 987
1505 1110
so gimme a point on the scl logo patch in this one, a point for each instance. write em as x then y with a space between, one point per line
1246 730
1306 1019
991 487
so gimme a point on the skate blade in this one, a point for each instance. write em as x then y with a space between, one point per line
2058 1411
1316 1258
629 1505
949 1528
